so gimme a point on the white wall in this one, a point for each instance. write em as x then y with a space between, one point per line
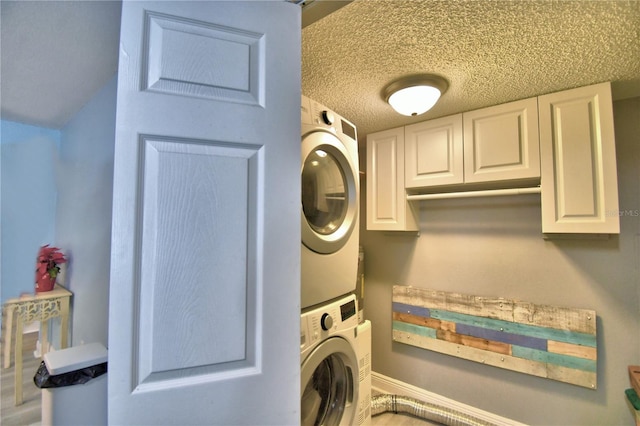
28 197
494 247
84 177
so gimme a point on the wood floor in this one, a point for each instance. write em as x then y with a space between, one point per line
29 412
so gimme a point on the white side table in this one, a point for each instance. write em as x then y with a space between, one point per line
34 307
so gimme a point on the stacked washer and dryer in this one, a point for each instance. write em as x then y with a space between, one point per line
334 347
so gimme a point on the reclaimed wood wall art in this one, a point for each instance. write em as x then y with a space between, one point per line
545 341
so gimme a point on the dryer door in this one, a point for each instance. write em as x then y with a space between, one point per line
329 193
330 384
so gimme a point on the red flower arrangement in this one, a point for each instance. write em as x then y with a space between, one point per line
47 268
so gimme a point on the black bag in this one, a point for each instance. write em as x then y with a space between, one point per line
43 379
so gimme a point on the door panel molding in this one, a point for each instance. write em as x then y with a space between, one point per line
198 71
205 192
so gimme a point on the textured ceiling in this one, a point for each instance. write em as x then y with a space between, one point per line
57 54
491 52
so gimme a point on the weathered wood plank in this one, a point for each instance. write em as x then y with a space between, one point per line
571 362
534 368
411 309
426 322
503 336
414 330
474 342
473 354
570 319
554 342
454 302
532 331
563 348
515 328
586 379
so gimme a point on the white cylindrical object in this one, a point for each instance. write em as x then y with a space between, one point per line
80 404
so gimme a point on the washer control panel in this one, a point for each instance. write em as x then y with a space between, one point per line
322 322
326 322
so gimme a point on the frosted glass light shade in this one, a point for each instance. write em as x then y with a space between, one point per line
414 100
415 95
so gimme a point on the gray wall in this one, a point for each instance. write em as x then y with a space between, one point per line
84 178
494 247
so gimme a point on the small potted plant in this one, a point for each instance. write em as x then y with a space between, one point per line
47 268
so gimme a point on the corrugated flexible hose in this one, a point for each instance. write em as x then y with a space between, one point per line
424 410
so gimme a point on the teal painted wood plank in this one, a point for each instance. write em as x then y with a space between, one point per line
516 328
414 329
572 362
502 336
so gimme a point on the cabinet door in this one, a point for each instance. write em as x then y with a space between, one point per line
501 142
579 179
433 152
387 205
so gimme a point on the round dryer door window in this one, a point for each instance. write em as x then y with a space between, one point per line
329 193
329 385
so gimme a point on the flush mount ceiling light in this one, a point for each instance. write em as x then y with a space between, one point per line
415 94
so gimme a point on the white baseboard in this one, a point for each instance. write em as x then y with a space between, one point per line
387 385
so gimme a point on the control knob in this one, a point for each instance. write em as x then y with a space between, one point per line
327 117
326 322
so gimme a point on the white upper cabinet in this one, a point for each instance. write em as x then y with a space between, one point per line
433 152
563 142
492 144
387 206
579 177
501 142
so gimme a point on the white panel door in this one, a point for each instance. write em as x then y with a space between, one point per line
433 152
205 265
502 143
387 205
578 157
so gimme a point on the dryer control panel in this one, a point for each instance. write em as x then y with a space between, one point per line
328 320
319 115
